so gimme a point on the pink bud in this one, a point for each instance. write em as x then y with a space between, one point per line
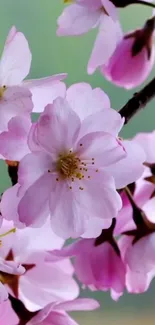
133 58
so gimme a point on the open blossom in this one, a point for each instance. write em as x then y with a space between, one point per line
99 267
133 59
70 168
137 245
14 67
56 313
69 173
81 16
42 282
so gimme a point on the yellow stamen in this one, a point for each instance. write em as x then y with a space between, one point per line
68 1
2 90
8 232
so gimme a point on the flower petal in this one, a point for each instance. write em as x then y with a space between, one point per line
103 49
45 90
16 101
58 127
86 101
13 143
122 171
16 59
100 149
33 208
76 20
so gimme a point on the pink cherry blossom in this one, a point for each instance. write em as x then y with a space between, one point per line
68 173
133 59
42 282
13 71
7 315
97 267
83 15
56 313
138 248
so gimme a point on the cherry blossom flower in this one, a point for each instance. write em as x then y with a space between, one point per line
69 173
14 67
83 15
42 282
97 266
137 223
133 59
56 313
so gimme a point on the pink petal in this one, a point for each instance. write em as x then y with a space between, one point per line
32 167
100 196
48 316
45 90
101 147
149 209
110 9
15 53
7 314
107 120
122 171
146 141
13 143
68 214
11 267
86 101
140 257
76 20
3 294
103 49
33 208
78 304
16 101
54 285
60 124
9 211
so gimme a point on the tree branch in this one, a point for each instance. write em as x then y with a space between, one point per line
138 101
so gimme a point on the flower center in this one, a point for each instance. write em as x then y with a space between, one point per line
2 90
68 165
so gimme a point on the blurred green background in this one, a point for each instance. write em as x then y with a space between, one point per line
37 20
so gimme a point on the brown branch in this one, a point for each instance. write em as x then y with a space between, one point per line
138 101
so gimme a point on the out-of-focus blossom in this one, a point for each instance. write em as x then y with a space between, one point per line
14 67
137 222
83 15
133 59
56 313
98 267
42 282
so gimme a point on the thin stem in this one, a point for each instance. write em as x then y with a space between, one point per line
141 2
138 101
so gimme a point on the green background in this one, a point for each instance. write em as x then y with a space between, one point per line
51 54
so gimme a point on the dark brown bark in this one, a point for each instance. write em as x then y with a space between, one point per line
138 101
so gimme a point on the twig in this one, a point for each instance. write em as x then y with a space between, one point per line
138 101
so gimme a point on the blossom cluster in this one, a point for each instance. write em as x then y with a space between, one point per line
74 177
